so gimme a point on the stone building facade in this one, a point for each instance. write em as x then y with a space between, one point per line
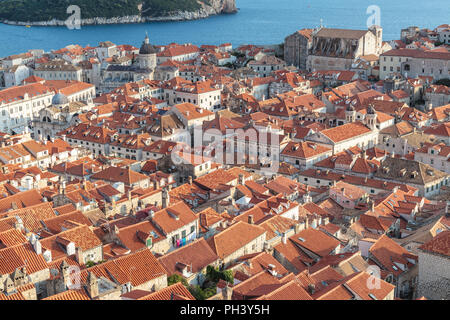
338 49
296 48
434 268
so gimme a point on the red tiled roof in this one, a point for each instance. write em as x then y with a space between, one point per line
234 238
346 132
176 291
174 217
440 244
195 256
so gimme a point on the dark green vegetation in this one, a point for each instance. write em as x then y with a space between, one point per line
46 10
209 286
445 82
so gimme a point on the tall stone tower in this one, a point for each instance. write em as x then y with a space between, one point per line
350 114
147 55
92 285
378 32
371 117
165 198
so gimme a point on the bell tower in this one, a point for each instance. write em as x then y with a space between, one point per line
371 117
350 114
147 55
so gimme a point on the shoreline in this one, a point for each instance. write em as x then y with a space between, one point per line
179 16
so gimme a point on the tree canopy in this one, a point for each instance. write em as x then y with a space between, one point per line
46 10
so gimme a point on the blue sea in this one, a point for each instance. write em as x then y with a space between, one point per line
258 22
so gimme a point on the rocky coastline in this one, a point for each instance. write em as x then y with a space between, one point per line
217 7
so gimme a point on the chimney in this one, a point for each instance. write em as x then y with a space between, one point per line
284 238
241 179
250 219
47 256
9 286
84 184
64 269
19 223
267 248
165 198
297 228
79 256
227 292
62 187
311 288
92 285
190 180
37 247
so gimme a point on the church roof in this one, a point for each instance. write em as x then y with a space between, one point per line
60 99
146 47
341 33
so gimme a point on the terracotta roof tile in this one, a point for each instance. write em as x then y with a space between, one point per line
234 238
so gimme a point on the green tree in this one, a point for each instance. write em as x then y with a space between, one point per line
46 10
90 264
175 278
445 82
214 275
202 294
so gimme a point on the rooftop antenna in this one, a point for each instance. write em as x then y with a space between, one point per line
321 23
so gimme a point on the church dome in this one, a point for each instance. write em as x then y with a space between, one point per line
60 99
146 47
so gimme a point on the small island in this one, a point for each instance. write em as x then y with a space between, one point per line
54 12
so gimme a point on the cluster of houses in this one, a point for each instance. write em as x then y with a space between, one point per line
180 172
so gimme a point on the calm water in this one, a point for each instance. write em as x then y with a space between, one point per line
258 22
